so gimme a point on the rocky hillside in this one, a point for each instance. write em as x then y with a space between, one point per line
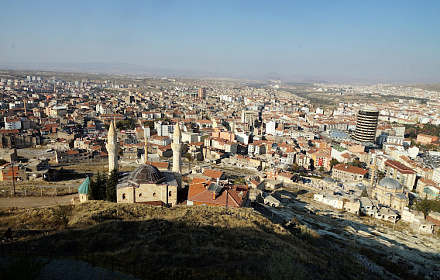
186 242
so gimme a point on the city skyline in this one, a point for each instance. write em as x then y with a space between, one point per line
335 41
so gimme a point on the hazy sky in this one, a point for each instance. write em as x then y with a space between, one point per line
395 41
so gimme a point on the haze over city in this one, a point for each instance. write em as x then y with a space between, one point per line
220 140
334 41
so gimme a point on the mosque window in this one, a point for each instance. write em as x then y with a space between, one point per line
140 194
154 194
123 196
170 193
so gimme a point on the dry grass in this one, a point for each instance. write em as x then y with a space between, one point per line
183 242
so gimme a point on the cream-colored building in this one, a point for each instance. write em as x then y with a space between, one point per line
403 174
148 185
348 173
389 192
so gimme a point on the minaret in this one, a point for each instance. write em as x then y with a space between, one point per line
112 148
146 152
145 146
177 149
373 176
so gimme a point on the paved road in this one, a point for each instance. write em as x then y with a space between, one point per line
24 202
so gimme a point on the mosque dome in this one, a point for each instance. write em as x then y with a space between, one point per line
390 183
146 174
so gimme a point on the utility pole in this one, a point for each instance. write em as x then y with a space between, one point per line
13 177
227 195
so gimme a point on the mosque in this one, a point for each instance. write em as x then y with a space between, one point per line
389 192
147 184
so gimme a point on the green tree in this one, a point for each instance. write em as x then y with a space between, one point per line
380 175
356 163
240 181
97 189
364 192
126 124
150 124
333 162
111 186
92 190
189 156
427 206
295 167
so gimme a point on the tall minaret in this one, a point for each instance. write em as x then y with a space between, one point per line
145 145
145 152
177 149
112 148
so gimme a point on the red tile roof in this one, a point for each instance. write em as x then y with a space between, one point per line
400 167
198 193
350 169
214 174
160 165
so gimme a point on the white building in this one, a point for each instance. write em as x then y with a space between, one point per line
270 127
164 129
242 137
12 123
189 137
436 175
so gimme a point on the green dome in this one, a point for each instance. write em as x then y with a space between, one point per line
84 187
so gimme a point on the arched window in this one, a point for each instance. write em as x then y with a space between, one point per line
154 194
123 196
140 194
170 193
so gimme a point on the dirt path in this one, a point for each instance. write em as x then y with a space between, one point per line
24 202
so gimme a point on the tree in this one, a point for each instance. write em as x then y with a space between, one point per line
333 162
364 192
150 124
427 206
2 161
295 167
356 163
111 186
97 189
92 190
126 124
380 175
240 181
189 157
61 214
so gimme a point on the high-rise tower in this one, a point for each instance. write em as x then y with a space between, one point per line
202 93
177 149
112 148
366 125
